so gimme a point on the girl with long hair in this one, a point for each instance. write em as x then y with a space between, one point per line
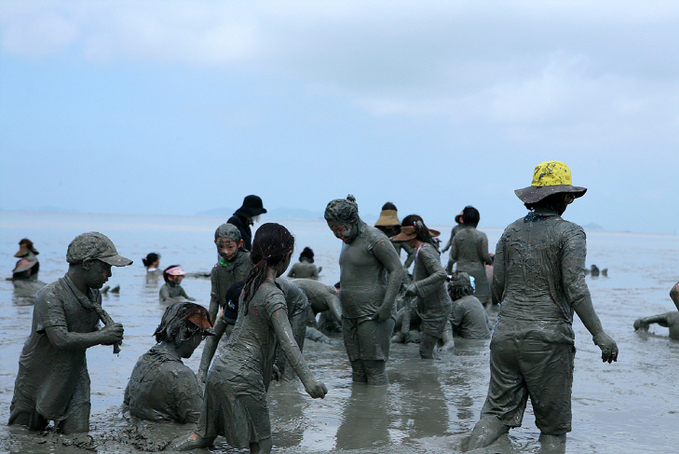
235 404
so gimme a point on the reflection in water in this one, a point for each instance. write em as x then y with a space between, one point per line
366 419
287 407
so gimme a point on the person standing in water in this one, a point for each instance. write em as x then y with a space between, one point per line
53 383
247 215
235 403
172 291
429 282
27 267
539 280
370 278
458 226
305 268
470 252
161 387
390 225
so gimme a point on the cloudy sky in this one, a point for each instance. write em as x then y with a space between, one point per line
175 107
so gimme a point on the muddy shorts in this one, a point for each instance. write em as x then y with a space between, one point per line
367 339
525 368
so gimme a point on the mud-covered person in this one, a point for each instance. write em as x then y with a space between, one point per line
53 383
172 291
429 282
668 319
235 403
370 278
305 268
468 317
458 226
161 387
233 266
539 279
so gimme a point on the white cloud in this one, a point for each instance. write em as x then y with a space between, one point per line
38 34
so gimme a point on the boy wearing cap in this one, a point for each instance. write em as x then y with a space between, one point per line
539 280
172 291
161 387
53 383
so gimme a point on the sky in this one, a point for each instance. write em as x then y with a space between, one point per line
178 107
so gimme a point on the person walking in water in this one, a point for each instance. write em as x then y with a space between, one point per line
370 277
235 403
539 278
470 251
245 216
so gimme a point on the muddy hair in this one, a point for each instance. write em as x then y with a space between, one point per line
470 216
175 325
270 247
421 229
389 206
308 254
342 211
165 275
458 291
150 259
556 202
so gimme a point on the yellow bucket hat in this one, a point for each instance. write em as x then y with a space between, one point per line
549 177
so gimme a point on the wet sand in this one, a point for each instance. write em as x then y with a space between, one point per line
429 407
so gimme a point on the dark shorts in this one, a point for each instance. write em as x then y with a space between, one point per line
525 368
367 339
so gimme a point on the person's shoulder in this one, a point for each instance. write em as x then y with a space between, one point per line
56 289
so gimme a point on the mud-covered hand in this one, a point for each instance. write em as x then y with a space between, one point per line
411 290
609 349
640 324
315 388
111 334
382 315
201 376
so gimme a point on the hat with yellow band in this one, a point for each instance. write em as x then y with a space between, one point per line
549 177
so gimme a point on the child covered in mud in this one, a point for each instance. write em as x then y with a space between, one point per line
161 387
429 282
235 403
305 268
172 291
53 383
468 316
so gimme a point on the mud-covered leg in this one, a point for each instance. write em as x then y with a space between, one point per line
358 373
486 431
427 345
552 444
376 372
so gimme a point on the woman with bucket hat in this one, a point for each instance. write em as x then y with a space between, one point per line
245 216
539 278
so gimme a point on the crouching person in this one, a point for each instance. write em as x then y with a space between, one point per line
161 387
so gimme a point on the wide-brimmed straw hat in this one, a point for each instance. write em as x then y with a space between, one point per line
388 218
408 232
25 246
549 177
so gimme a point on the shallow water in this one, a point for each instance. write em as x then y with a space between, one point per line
430 406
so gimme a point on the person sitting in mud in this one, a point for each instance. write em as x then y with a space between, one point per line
233 266
321 298
390 225
172 291
668 319
429 282
27 267
468 316
161 387
53 383
370 277
305 268
235 402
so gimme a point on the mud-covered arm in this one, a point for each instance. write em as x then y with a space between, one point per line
187 397
211 343
573 280
498 285
182 293
660 319
436 274
483 249
283 330
214 297
450 241
386 254
411 256
62 338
